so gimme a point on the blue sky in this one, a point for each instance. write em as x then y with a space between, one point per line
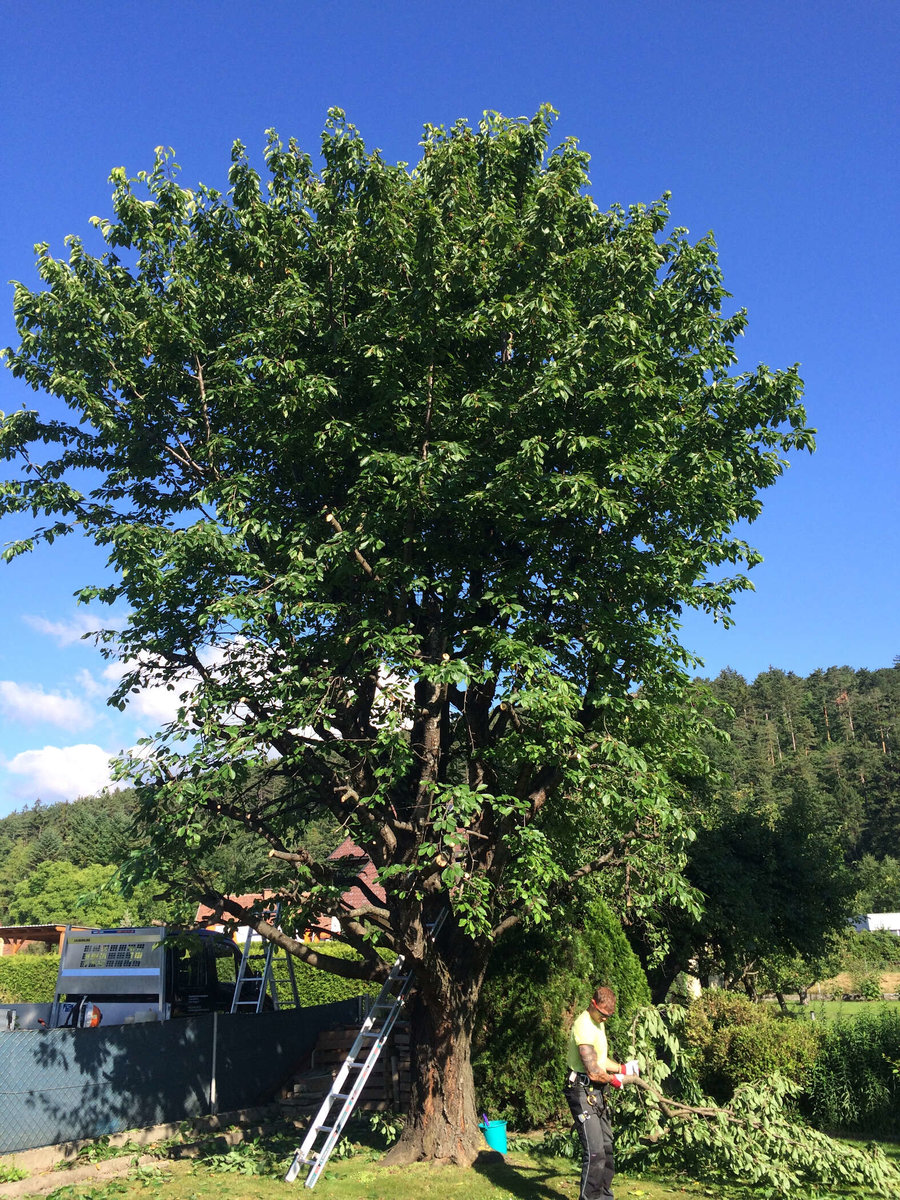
773 125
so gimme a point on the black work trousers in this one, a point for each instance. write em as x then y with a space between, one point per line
592 1124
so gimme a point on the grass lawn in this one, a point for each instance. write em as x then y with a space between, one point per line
832 1009
520 1177
254 1170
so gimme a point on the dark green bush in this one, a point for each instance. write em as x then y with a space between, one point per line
854 1086
537 983
735 1042
28 978
875 949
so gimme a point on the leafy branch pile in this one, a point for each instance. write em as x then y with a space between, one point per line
755 1138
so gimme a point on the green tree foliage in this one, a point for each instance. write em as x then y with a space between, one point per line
774 888
100 830
406 477
47 847
60 893
878 883
782 972
799 813
838 730
98 833
14 858
537 982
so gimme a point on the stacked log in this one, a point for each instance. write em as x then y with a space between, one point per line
386 1090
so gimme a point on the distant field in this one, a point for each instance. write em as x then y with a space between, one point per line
833 1009
843 983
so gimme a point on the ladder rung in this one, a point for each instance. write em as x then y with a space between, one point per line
386 1007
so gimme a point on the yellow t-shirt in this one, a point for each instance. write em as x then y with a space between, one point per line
586 1033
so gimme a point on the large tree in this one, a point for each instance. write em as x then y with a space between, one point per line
406 477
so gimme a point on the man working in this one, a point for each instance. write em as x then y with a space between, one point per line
590 1069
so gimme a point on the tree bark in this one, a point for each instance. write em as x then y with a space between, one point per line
442 1125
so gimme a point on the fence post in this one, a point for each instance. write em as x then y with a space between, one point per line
213 1096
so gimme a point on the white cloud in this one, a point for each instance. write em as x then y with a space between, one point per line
89 685
158 704
64 772
155 703
66 632
73 628
19 702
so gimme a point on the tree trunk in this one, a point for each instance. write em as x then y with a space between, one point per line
442 1125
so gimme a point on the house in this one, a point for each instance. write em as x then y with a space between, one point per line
873 921
324 927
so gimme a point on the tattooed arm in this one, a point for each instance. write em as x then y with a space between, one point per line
600 1072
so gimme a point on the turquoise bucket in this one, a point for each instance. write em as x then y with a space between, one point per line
495 1135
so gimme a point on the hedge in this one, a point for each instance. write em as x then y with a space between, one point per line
321 987
537 982
855 1084
28 978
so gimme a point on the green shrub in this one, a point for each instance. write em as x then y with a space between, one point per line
853 1087
717 1009
28 979
874 949
321 987
537 983
735 1042
785 1045
869 986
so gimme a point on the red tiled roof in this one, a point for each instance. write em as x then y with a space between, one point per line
354 897
204 912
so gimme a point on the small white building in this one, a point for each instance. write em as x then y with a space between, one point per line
872 921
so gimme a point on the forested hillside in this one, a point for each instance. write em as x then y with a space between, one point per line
68 862
834 735
797 828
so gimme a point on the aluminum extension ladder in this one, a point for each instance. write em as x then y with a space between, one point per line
355 1071
257 985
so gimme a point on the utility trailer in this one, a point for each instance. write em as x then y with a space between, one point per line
123 976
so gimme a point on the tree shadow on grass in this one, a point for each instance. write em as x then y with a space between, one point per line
525 1181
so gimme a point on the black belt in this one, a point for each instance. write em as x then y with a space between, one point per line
581 1077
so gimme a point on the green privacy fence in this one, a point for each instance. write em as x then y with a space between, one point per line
59 1085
